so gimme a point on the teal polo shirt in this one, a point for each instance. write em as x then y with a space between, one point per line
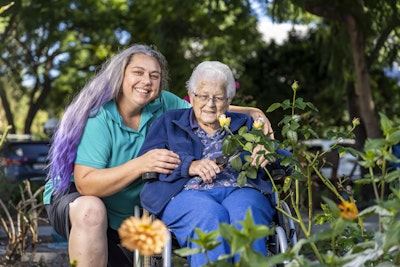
106 142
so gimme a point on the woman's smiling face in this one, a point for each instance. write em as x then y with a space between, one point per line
209 101
142 78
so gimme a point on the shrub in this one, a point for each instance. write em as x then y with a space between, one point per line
344 241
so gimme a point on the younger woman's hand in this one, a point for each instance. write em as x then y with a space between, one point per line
160 161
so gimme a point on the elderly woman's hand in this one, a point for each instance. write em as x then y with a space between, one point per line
256 114
205 168
262 161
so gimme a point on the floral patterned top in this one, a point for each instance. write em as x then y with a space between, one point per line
212 149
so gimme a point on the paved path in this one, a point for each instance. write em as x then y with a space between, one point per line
48 252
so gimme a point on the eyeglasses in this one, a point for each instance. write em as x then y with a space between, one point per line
219 100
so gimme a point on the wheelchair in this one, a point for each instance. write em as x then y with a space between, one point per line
285 237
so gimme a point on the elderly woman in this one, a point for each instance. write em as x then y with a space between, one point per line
198 194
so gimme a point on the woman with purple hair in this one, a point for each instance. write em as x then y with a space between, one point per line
94 177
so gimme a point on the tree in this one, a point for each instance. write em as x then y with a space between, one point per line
271 74
362 36
50 51
48 57
188 32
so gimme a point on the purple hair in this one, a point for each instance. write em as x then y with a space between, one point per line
103 87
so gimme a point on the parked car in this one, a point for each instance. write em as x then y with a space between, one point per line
345 166
24 159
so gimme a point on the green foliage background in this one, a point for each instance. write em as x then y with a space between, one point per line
50 48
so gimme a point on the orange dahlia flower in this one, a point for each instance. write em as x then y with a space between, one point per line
143 234
348 210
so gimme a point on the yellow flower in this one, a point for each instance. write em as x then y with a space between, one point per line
348 210
143 234
259 123
224 121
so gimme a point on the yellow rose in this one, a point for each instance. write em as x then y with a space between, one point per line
224 121
259 123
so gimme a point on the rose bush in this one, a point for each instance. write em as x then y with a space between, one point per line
344 241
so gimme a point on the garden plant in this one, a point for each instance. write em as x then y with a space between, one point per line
344 241
19 221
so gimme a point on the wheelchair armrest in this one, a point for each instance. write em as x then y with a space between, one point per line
149 176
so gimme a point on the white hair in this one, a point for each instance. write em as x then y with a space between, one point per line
212 71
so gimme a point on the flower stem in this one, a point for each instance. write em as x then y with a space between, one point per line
328 184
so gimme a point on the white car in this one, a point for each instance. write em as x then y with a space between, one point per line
347 164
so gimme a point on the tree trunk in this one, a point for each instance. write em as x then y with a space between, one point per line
7 109
362 89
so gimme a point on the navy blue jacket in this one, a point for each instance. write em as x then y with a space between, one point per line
173 131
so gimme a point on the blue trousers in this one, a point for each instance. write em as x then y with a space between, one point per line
206 209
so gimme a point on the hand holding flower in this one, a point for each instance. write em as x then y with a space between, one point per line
258 157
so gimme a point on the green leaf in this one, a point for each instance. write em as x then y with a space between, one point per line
286 104
251 172
236 163
248 160
248 147
295 119
275 260
239 241
248 221
229 145
206 240
292 136
392 236
374 144
249 137
311 106
393 176
299 103
227 231
287 184
393 138
242 179
243 130
186 251
273 107
251 258
386 124
331 204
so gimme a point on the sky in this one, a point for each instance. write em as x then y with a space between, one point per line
277 31
271 30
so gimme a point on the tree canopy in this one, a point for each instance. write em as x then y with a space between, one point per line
46 58
50 48
362 36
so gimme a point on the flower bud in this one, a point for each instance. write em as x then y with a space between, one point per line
295 86
356 122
